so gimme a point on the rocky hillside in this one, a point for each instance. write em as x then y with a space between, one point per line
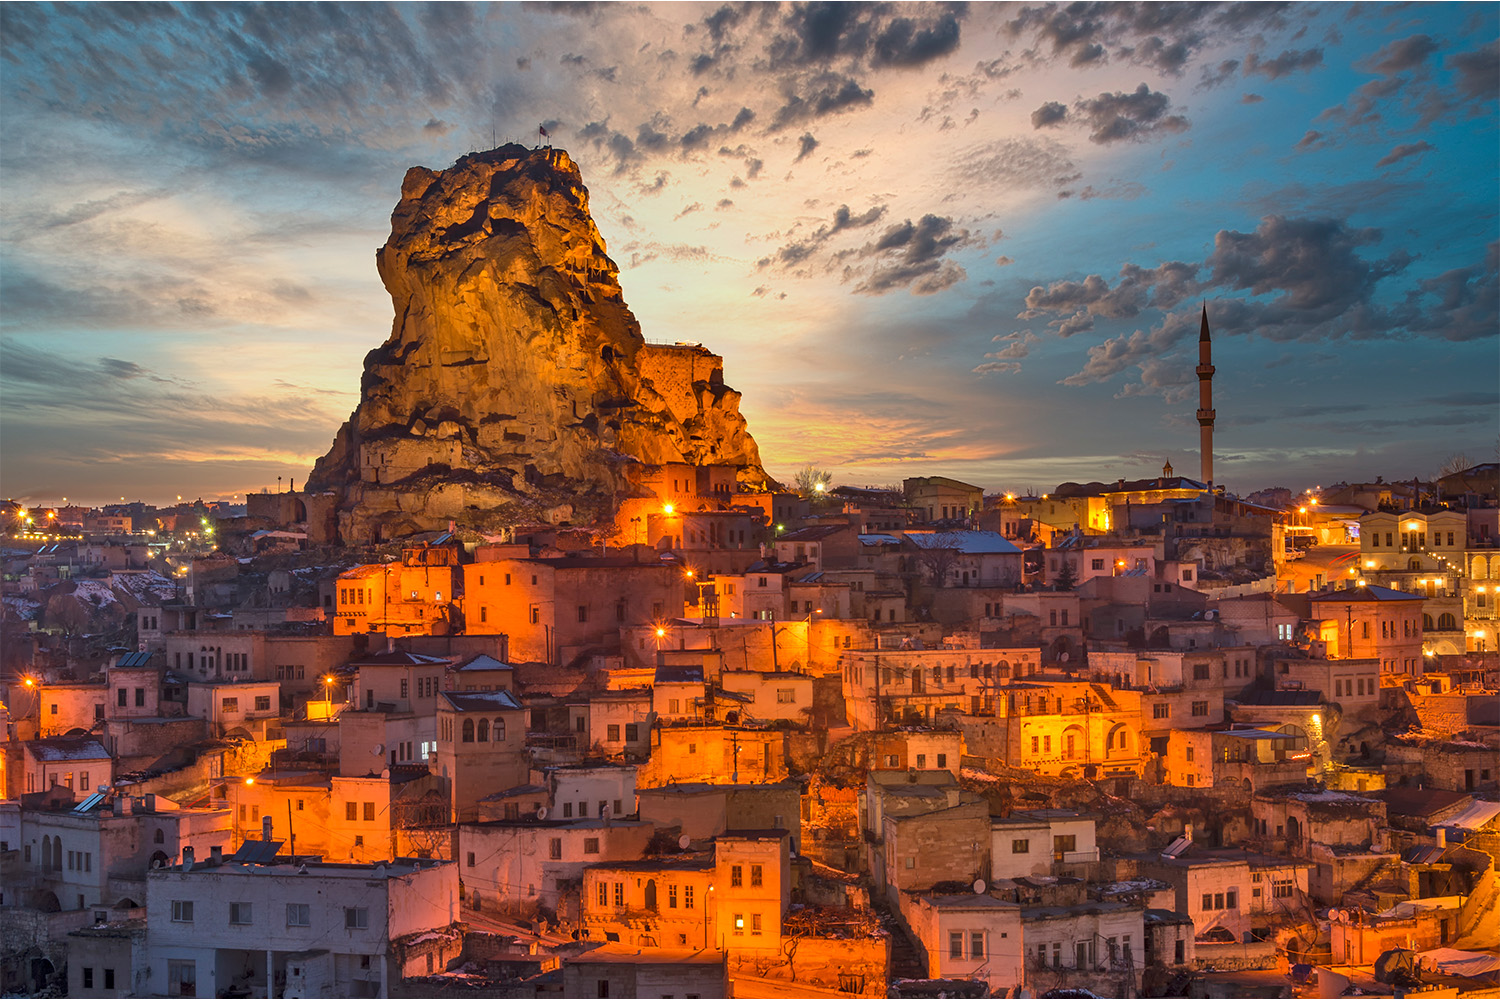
511 385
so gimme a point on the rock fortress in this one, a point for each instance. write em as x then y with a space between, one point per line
515 385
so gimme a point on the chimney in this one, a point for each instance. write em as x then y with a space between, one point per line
1442 836
265 828
187 859
216 854
1187 832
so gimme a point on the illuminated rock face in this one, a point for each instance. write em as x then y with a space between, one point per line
515 383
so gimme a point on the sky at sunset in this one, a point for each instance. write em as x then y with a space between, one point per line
939 239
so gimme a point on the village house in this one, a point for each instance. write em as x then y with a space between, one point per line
1042 842
481 742
554 609
317 929
971 936
523 866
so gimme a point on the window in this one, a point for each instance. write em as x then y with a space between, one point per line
182 979
1064 843
620 894
955 944
1208 901
603 894
554 848
672 897
736 876
405 687
583 612
536 615
1231 900
1281 888
182 911
369 812
786 696
88 978
632 732
755 876
1098 564
356 918
942 760
1161 711
1020 847
687 897
239 913
229 705
591 845
122 697
109 979
739 923
1200 671
351 811
754 924
140 697
976 944
262 703
921 760
614 733
1200 708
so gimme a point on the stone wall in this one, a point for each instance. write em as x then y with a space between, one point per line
674 369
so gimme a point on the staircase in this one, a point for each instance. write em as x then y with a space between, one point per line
1102 693
906 960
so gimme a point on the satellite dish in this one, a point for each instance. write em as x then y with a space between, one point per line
103 789
604 813
684 841
979 887
541 812
378 749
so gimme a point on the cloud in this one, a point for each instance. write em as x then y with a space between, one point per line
1312 139
1289 62
825 94
1051 113
1133 117
997 368
1400 55
1213 76
1011 163
1017 345
801 250
910 255
805 146
1162 287
1403 151
1477 71
1164 37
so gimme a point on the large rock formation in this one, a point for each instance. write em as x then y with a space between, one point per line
515 383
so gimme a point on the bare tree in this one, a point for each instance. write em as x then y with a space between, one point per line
939 560
1454 464
811 481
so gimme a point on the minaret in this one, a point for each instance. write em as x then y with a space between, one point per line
1206 402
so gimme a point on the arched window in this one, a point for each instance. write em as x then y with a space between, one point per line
158 837
1414 564
1427 622
468 730
1446 622
499 730
484 730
